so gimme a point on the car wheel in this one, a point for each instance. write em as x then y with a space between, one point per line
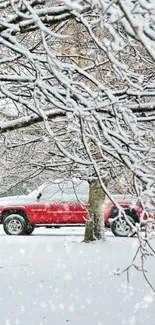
14 224
29 229
121 227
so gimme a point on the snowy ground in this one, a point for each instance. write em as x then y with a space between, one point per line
52 278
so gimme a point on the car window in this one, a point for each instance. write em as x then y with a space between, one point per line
51 192
66 191
75 191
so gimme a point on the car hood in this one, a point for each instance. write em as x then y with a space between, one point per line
14 200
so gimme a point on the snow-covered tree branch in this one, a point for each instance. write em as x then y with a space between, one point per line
88 66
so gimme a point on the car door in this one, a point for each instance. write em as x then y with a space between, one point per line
49 205
75 198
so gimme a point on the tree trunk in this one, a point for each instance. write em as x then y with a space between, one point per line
95 220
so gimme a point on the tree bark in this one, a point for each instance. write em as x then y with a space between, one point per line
95 220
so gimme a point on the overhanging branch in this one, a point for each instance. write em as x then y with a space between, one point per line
27 121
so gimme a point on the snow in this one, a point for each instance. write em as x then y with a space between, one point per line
52 277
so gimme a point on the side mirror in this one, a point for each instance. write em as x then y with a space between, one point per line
39 196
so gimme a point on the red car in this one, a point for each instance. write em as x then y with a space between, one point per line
61 203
